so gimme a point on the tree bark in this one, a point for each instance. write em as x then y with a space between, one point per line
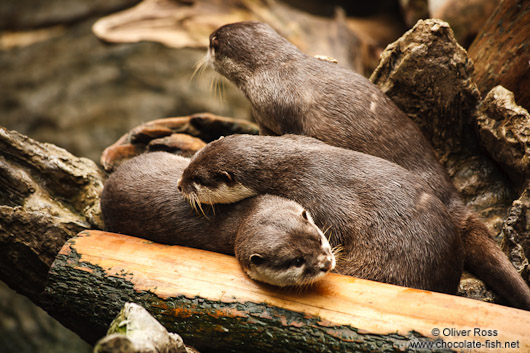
501 52
47 196
206 298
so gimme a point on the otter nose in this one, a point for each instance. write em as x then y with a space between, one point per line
328 265
179 187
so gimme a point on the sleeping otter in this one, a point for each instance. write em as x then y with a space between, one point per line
275 240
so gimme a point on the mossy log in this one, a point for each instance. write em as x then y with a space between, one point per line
207 299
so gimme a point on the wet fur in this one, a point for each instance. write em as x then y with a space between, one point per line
141 198
391 227
291 92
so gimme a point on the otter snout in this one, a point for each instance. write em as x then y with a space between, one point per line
326 260
179 184
328 264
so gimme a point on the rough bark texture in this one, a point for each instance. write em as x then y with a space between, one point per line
501 52
180 135
97 272
46 196
466 17
504 129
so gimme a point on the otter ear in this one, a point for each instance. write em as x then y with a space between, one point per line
226 177
256 259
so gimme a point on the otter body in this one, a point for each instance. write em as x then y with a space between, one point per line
292 93
390 225
274 239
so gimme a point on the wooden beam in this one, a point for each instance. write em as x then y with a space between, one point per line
207 299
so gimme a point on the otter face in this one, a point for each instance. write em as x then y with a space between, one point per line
212 188
282 246
239 49
211 178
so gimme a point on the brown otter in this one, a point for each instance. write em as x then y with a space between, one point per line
274 239
390 225
291 92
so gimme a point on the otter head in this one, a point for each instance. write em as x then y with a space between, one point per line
239 50
214 174
280 244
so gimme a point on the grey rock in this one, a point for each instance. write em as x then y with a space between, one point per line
81 94
23 14
504 129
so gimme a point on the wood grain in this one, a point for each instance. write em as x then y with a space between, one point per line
209 301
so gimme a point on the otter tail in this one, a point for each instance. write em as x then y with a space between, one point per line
484 258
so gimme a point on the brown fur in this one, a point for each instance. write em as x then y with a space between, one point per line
291 92
141 198
390 225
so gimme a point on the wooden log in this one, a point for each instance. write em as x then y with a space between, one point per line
206 298
501 52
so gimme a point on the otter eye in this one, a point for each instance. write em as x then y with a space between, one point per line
299 261
214 43
305 216
257 259
197 180
225 176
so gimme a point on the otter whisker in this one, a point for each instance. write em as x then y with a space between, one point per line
338 253
199 204
200 66
212 205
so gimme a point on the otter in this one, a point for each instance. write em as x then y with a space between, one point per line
388 222
293 93
275 240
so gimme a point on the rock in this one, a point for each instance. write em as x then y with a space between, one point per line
473 288
428 74
516 235
504 129
83 94
23 14
26 328
134 330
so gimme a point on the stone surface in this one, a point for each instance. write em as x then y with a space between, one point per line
504 129
23 14
428 74
516 234
26 328
471 287
134 330
81 94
